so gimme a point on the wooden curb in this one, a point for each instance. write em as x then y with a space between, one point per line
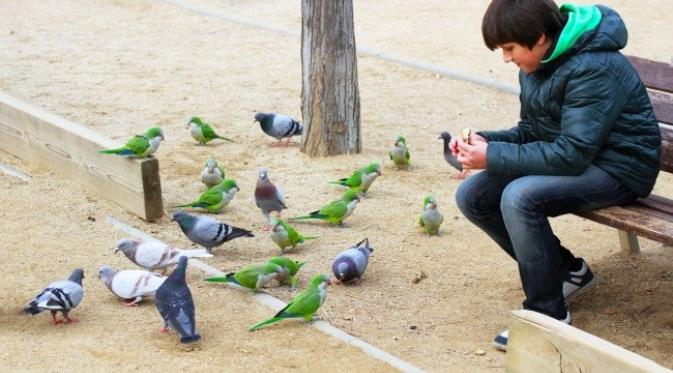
538 343
71 150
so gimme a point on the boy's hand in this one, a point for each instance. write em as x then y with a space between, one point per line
472 156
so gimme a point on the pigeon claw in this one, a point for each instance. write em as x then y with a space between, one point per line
68 320
163 330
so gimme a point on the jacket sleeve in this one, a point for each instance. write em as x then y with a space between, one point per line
593 100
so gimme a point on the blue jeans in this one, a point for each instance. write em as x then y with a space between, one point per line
514 212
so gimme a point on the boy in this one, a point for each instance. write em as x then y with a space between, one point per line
587 138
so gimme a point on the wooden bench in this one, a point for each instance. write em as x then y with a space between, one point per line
650 217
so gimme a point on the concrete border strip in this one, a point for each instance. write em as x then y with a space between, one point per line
277 304
420 65
16 173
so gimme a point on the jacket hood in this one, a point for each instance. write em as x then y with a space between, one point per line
589 28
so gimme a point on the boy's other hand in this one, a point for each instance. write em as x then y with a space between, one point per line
472 156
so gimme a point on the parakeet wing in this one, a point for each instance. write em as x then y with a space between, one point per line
211 196
208 131
334 209
138 144
305 303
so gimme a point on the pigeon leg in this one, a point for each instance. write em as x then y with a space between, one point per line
56 321
133 302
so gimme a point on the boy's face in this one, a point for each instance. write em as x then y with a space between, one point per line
526 59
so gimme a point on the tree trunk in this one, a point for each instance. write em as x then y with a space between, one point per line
330 97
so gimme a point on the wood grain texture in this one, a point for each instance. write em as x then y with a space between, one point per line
330 94
538 343
72 151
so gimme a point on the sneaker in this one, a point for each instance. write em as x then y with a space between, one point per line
500 340
577 282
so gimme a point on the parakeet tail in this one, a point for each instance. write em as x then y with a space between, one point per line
313 215
309 237
223 138
111 151
265 323
229 277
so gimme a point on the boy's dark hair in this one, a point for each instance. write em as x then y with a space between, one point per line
520 21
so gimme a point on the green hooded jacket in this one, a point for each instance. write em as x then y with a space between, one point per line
584 105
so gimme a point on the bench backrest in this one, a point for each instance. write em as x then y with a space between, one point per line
658 78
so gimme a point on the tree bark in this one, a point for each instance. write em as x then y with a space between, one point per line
330 96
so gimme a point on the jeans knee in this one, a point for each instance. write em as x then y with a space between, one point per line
514 198
467 201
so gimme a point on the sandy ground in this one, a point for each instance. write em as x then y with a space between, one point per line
119 66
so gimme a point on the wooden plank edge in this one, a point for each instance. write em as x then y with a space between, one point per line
146 170
538 343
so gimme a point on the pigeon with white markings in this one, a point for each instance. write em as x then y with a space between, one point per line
131 285
212 174
60 296
176 306
279 126
449 157
268 197
351 264
153 255
206 231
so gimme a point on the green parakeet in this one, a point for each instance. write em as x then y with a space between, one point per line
400 153
202 131
304 305
337 211
291 268
254 276
212 174
284 235
140 146
215 198
362 179
431 218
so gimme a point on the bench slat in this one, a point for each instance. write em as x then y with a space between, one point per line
662 103
666 148
658 203
639 219
656 75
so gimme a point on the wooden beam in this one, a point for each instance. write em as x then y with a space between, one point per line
71 150
538 343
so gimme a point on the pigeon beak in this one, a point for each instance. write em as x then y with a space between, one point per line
439 138
117 249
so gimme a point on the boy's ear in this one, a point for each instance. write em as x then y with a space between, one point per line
541 40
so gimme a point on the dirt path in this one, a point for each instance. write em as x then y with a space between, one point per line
119 66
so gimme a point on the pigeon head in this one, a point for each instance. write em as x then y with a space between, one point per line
184 219
154 132
445 136
106 273
263 175
127 246
260 117
77 275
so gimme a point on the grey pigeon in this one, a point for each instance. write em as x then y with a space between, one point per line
59 296
131 285
351 264
153 255
206 231
449 157
268 197
279 126
176 306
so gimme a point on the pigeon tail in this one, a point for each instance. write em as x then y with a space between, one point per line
197 253
32 309
239 232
